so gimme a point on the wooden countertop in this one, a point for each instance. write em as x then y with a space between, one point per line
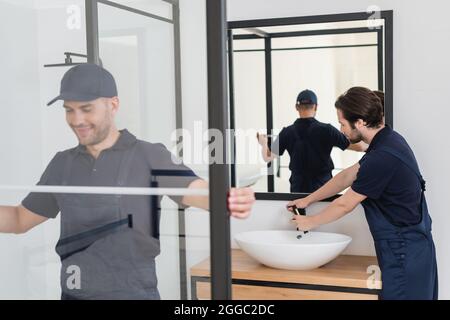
344 271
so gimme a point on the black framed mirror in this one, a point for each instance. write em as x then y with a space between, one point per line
273 60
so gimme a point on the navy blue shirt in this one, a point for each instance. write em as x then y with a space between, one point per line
390 185
309 143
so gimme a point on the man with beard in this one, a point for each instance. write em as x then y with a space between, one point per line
388 184
109 242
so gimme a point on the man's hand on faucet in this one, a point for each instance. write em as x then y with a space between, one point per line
304 223
301 203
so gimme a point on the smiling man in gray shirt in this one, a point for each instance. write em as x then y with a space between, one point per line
110 240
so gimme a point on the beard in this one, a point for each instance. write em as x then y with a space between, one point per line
97 135
355 136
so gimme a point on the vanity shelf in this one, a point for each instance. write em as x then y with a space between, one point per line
343 278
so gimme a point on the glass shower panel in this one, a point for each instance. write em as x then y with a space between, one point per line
34 36
250 110
128 218
141 52
158 8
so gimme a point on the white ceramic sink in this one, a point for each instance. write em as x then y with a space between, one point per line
282 249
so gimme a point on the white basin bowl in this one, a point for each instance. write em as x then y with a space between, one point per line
283 250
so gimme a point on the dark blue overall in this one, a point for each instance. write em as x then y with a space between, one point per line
114 260
309 168
406 255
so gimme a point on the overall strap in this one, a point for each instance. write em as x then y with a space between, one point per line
88 236
124 171
309 146
67 169
125 166
407 161
303 152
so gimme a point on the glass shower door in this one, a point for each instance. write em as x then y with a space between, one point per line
140 44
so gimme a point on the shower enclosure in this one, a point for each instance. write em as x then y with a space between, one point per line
141 43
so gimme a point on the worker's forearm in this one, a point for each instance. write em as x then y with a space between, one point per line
197 201
336 210
338 183
267 155
9 219
201 202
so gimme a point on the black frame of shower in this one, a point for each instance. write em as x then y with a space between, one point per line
385 66
219 173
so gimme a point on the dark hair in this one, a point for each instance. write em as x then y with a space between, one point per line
305 106
361 103
380 95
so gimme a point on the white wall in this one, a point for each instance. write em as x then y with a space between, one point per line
421 95
20 118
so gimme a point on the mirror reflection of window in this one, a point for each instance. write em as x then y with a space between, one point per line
250 101
327 58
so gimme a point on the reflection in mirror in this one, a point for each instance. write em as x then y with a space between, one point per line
285 81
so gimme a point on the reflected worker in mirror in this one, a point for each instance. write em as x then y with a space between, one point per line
388 183
309 143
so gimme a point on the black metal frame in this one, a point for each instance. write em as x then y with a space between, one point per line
137 11
219 174
269 106
278 196
320 32
92 36
385 70
338 17
306 48
67 60
232 109
275 284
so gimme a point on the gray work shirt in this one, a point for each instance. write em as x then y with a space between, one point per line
103 171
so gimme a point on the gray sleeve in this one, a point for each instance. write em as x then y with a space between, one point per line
169 172
44 204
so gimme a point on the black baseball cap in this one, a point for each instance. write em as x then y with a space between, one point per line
306 97
86 82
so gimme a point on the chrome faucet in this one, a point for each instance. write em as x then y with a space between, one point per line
299 212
